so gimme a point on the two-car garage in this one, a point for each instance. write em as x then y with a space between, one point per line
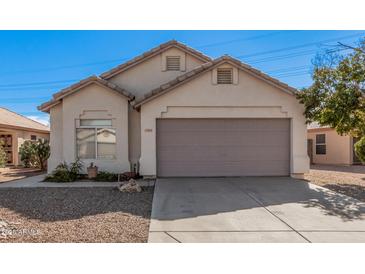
223 147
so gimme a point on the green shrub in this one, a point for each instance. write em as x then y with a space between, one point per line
35 154
27 154
360 149
66 173
3 156
104 176
42 152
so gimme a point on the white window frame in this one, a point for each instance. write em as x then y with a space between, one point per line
95 128
322 144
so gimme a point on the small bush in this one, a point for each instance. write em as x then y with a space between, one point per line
27 154
3 156
42 152
66 173
104 176
360 149
35 154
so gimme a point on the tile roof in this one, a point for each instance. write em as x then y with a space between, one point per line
208 66
173 43
57 97
316 125
11 119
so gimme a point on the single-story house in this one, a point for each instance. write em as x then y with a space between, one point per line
15 129
174 111
326 146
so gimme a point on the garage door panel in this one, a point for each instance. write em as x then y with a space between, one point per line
216 138
216 168
221 153
223 147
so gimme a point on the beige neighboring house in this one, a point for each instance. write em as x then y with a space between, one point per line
174 111
326 146
15 129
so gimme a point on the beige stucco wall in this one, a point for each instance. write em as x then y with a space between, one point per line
338 148
200 98
150 74
19 136
56 141
91 102
141 79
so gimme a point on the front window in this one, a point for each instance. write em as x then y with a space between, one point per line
321 144
96 139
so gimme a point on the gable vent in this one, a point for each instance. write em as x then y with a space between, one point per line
172 62
224 76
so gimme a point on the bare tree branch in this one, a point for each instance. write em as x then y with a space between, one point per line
350 47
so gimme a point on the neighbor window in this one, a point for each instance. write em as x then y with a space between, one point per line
96 139
224 76
172 62
33 137
321 144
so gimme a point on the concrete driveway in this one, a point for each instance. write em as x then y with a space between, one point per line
253 210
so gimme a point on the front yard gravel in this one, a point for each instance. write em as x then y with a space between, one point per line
348 180
74 215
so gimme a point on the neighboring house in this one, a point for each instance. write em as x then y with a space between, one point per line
326 146
15 129
173 111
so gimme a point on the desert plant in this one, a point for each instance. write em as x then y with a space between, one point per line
42 152
27 154
66 173
35 154
104 176
3 156
360 149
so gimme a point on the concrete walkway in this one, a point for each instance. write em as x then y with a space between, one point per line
253 210
36 181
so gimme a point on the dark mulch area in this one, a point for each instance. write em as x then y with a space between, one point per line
75 214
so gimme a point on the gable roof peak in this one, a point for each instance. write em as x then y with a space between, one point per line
153 52
209 66
57 97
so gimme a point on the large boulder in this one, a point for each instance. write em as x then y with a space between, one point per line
130 187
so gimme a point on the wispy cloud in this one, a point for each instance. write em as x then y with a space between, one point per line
40 119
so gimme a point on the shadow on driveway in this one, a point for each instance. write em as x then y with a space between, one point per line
177 198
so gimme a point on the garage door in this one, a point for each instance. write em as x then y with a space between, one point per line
223 147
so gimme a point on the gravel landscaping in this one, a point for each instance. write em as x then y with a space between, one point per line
91 214
348 180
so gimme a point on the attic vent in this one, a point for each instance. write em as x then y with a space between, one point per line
224 76
172 62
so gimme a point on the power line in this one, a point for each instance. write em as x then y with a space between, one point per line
299 46
241 39
38 83
66 66
207 45
287 69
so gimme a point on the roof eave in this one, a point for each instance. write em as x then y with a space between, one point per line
57 97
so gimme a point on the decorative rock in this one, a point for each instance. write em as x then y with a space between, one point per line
130 187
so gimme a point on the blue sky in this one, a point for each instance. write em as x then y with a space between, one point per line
36 64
